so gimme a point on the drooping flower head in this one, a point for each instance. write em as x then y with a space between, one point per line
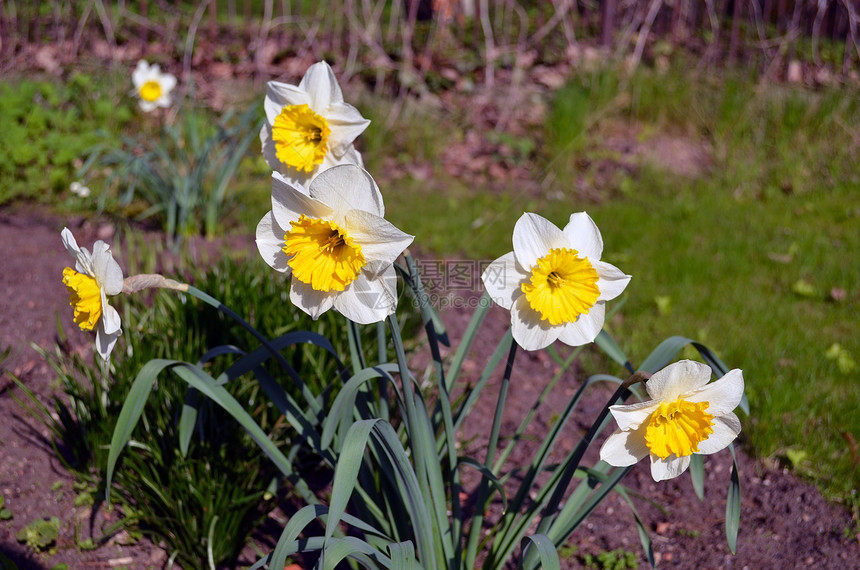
335 242
95 276
309 128
686 416
553 282
152 86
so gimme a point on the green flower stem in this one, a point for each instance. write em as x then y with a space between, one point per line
621 394
443 402
382 345
483 490
420 454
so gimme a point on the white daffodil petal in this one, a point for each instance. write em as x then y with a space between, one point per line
723 395
70 243
348 187
381 242
678 378
308 299
350 156
624 448
270 242
368 301
322 87
140 74
726 429
631 416
530 332
168 82
503 279
270 153
669 468
106 270
105 340
280 95
290 202
346 125
110 321
585 328
583 235
612 280
533 237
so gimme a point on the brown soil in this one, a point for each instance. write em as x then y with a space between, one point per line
785 522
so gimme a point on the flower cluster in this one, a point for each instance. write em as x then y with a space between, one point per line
327 231
326 228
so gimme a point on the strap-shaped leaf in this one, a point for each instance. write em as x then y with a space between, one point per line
130 413
644 537
546 552
733 505
607 344
337 549
697 475
403 556
342 409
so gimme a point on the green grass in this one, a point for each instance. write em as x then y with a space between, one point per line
743 257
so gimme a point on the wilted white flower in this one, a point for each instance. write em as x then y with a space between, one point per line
94 278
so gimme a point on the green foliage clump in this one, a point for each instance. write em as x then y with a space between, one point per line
5 514
40 534
47 130
182 176
212 493
611 560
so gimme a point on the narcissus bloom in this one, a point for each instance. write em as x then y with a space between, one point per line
309 128
152 86
553 283
94 278
686 416
335 242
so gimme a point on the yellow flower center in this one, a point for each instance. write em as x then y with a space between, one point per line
301 137
150 91
322 254
678 427
85 296
562 286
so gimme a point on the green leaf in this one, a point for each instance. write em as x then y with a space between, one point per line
130 413
608 345
697 475
733 505
546 551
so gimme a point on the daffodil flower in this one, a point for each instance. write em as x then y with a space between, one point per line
686 416
334 241
309 128
152 86
94 278
553 283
